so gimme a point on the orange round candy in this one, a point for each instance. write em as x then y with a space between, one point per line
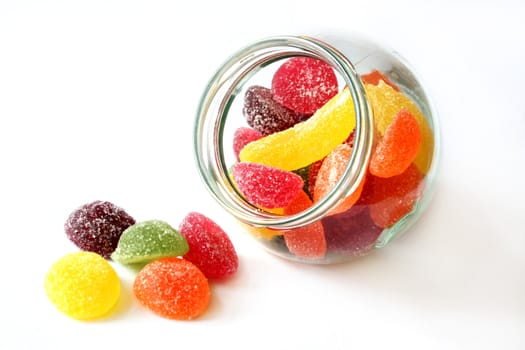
173 288
331 170
398 148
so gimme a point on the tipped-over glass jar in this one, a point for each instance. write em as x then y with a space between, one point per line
322 148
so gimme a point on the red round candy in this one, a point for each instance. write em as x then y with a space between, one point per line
210 247
266 186
304 84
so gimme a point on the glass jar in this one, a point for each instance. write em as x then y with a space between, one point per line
360 209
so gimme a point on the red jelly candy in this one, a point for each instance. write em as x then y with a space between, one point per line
266 186
210 247
352 233
97 227
265 114
172 288
304 84
312 176
375 76
243 136
398 148
392 198
307 241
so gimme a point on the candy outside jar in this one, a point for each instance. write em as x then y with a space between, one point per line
322 148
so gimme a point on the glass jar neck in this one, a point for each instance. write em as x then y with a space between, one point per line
213 111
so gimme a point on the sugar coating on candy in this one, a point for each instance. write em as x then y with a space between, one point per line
97 227
306 241
299 146
172 288
351 233
390 199
243 136
147 241
386 103
304 84
265 114
312 176
266 186
398 147
82 285
330 172
211 250
375 76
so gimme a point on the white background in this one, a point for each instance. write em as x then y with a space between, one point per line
97 101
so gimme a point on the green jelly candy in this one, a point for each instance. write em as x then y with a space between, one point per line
147 241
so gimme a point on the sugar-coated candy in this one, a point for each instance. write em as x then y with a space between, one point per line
375 76
243 136
398 147
97 227
172 288
386 103
352 233
211 250
266 115
307 241
330 172
266 186
304 84
299 146
146 241
312 176
391 198
82 285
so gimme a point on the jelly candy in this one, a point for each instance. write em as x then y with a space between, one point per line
82 285
266 115
386 103
330 172
97 226
312 176
306 241
146 241
352 233
210 247
375 76
243 136
304 84
266 186
299 146
398 147
173 288
391 198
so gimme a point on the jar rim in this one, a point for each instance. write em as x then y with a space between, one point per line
213 109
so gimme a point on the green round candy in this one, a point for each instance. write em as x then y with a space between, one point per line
147 241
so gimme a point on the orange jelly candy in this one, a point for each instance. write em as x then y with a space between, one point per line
375 76
306 241
398 147
331 170
172 288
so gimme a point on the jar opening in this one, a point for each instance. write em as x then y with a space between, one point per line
218 99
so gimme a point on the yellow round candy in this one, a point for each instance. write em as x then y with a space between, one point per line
82 285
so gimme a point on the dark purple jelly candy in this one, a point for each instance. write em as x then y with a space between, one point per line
351 233
97 227
266 115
